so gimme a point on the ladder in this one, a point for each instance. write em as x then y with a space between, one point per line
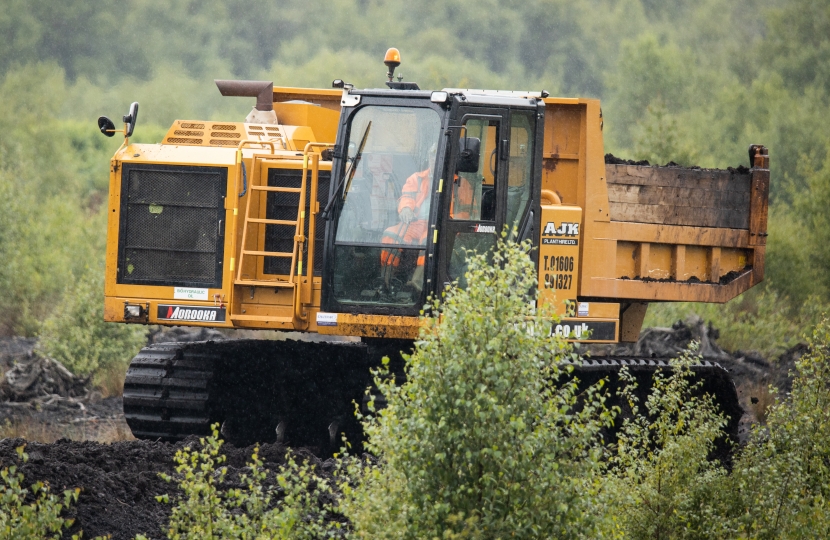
299 238
302 285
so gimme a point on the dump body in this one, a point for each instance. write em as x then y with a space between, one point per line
648 233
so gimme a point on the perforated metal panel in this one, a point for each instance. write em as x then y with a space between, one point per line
172 227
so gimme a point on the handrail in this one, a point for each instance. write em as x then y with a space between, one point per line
550 197
236 200
239 163
303 291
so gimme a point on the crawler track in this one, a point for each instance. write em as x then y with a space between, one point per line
167 391
716 381
250 387
304 393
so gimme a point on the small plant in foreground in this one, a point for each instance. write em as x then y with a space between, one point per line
37 519
780 485
479 442
661 478
208 511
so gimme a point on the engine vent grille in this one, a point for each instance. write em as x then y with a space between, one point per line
171 230
189 133
183 140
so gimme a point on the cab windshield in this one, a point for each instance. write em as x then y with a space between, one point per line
381 238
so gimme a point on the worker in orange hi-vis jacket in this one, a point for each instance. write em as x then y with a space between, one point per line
413 211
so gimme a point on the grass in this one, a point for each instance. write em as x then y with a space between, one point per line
34 430
110 381
758 320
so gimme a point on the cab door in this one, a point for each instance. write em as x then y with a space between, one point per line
479 205
474 210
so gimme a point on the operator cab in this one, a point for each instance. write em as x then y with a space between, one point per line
421 179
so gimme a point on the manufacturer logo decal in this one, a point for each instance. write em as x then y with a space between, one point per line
485 228
564 235
190 313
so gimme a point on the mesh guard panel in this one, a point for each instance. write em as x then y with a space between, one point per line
169 232
284 206
281 206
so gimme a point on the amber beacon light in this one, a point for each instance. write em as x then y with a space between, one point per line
392 60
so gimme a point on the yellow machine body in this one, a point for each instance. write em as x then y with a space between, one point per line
612 237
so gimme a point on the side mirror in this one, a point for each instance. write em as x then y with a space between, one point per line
106 126
131 119
469 154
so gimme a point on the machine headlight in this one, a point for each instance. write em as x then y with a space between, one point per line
135 311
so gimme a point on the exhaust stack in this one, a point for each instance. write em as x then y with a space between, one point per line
263 91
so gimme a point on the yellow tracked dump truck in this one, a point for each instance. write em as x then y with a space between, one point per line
338 211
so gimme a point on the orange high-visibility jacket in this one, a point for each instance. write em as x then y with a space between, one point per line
415 191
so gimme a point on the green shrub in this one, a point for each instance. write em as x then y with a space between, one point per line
35 520
661 477
76 335
780 485
206 512
478 442
663 483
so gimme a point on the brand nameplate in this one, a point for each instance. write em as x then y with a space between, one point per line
190 313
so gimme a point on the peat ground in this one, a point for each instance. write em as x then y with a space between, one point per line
119 476
119 481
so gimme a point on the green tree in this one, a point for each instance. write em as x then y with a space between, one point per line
479 442
780 484
661 479
812 206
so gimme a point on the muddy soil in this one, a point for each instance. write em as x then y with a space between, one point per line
119 481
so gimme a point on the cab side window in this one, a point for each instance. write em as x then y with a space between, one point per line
474 194
519 168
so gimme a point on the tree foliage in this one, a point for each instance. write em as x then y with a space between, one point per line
661 476
479 441
694 83
76 335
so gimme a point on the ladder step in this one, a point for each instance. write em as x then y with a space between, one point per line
276 189
263 283
272 221
268 253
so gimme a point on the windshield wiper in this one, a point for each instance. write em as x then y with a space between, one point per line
326 213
